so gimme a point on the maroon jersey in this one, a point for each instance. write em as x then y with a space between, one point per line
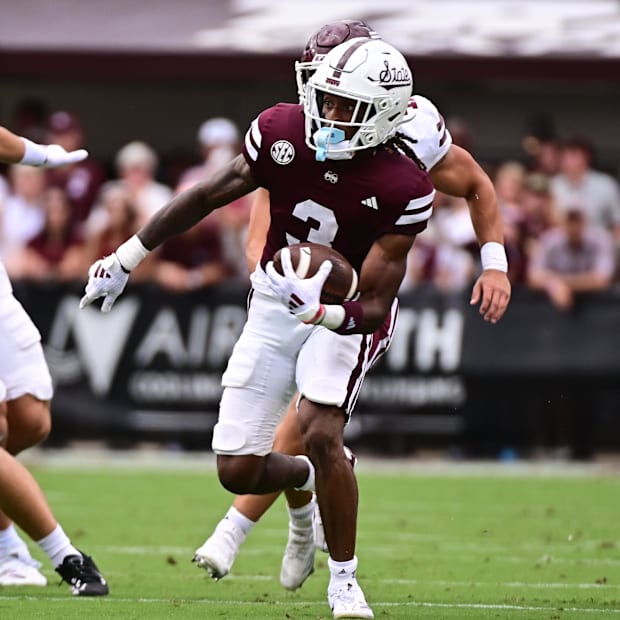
344 204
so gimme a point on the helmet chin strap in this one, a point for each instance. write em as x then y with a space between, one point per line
327 136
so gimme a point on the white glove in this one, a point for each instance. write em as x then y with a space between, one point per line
301 296
57 156
50 155
107 279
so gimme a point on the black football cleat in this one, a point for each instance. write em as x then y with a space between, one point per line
82 574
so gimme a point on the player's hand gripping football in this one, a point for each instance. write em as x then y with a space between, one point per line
301 296
107 279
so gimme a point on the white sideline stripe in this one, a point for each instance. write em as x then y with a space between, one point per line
499 584
271 603
431 582
261 549
461 584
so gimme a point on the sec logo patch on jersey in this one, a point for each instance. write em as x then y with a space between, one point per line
282 152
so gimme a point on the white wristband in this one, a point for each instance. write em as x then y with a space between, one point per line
333 317
34 154
131 253
493 256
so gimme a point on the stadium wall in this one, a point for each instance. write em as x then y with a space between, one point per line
163 99
150 370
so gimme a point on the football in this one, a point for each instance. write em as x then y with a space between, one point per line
341 284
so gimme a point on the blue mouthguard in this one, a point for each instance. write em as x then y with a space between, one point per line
324 137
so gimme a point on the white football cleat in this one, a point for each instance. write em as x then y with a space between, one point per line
317 522
20 570
347 600
219 551
298 560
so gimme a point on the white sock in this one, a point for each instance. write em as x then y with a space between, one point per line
240 520
308 485
342 570
11 543
302 516
57 546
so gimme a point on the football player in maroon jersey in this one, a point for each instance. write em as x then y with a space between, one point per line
338 174
453 171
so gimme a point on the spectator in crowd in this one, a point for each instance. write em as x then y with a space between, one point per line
579 185
527 208
80 180
508 181
30 119
136 164
219 143
545 156
537 215
192 260
57 252
541 145
538 209
114 219
573 258
22 216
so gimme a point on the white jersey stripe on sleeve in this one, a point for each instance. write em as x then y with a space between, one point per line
257 136
249 146
418 210
253 140
418 203
414 218
252 152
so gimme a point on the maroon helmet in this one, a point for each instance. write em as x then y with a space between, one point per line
322 41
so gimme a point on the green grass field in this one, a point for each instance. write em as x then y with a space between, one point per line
432 545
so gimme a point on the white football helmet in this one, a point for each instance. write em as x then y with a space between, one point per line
377 78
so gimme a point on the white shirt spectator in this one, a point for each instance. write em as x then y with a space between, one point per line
594 254
597 194
137 163
22 215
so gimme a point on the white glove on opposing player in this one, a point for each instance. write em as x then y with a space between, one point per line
107 279
57 156
50 155
301 296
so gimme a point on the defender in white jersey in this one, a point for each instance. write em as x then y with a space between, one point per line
453 171
25 393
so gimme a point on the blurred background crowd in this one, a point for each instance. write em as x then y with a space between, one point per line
530 88
561 211
55 223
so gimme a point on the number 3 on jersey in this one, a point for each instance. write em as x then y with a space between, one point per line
313 213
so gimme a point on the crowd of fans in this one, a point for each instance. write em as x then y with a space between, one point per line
55 223
561 215
561 218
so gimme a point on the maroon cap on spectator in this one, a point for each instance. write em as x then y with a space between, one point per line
61 122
